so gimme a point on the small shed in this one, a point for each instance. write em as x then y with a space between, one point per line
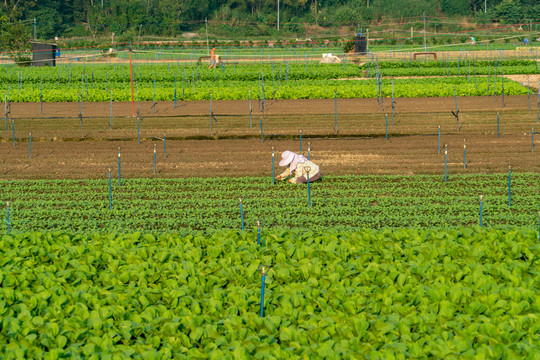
360 44
43 54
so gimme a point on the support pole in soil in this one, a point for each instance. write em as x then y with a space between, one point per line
29 145
386 126
393 105
439 140
263 270
258 232
154 159
131 77
481 208
457 110
300 132
262 134
5 110
498 126
41 97
445 163
335 111
509 185
529 95
241 212
532 140
309 150
164 146
7 217
138 127
538 103
13 128
273 167
119 168
154 97
250 111
110 113
308 169
110 189
464 154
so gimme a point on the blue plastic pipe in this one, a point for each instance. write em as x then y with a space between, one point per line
7 219
263 278
481 208
110 190
119 169
30 145
439 140
445 163
241 213
509 186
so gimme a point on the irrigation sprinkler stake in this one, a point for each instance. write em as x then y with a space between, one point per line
119 169
300 131
7 217
481 208
439 140
262 133
309 150
154 158
110 189
258 232
335 112
308 169
498 126
509 185
464 154
445 162
241 212
532 139
164 146
250 110
273 167
386 126
29 145
263 269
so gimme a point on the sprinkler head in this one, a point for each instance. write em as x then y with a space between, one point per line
481 198
240 199
439 127
307 168
300 131
7 203
309 145
154 148
29 134
109 170
258 224
263 269
509 167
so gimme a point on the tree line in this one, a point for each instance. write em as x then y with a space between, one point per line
131 18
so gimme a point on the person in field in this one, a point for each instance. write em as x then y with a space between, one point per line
297 168
213 58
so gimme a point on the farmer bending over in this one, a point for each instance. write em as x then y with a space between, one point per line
297 166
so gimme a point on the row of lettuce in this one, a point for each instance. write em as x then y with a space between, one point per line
276 81
244 90
402 293
338 202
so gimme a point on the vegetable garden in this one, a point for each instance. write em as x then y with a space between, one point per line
152 226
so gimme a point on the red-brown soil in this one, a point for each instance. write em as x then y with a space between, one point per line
235 149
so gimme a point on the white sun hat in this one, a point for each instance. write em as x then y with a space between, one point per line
286 158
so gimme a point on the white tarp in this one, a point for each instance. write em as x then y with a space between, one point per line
329 59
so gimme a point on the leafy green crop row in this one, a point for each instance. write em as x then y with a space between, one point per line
456 68
190 205
240 90
466 293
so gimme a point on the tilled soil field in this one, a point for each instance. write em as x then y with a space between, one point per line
61 149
